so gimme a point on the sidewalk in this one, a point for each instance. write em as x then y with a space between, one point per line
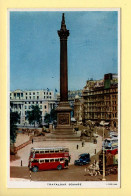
23 154
21 138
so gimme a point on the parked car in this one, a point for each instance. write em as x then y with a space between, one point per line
83 159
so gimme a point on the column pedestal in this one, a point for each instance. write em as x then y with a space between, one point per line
64 130
64 126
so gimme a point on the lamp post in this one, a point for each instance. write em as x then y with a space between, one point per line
103 179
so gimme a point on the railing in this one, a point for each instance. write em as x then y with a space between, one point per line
22 146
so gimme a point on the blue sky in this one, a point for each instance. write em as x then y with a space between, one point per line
35 48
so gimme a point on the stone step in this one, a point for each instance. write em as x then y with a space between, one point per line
63 133
62 139
39 139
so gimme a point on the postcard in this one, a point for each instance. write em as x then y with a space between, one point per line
64 98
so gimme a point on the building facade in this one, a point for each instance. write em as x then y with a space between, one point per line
78 109
100 100
21 101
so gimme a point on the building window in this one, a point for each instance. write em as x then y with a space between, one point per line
37 97
33 97
30 93
40 106
37 93
45 106
33 93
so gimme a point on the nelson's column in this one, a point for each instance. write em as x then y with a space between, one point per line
64 129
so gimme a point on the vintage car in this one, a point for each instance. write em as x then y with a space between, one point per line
83 159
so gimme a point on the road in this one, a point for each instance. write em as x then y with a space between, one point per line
73 173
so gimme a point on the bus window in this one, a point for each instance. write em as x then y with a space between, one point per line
46 160
42 152
36 152
47 151
56 150
42 161
51 151
61 159
56 160
35 161
51 160
61 150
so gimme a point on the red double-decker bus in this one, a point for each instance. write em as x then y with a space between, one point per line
48 164
49 153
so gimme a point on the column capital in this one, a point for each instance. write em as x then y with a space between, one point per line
63 32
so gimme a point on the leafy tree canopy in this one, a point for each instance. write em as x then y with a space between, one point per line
50 117
14 119
34 116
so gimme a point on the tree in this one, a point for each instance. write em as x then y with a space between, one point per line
47 118
34 116
53 115
14 119
50 117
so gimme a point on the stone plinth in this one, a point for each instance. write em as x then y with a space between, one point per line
63 115
63 135
64 119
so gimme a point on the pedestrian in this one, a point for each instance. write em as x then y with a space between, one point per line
82 143
86 171
32 140
77 146
66 163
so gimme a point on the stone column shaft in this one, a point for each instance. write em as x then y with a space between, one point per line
63 71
